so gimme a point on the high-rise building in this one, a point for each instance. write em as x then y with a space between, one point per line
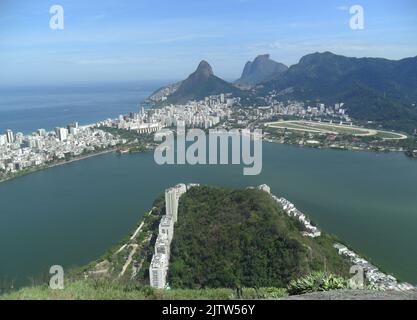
41 132
166 227
3 139
18 137
61 133
158 271
73 125
162 244
74 131
172 197
230 102
10 136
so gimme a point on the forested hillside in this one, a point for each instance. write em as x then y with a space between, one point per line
241 238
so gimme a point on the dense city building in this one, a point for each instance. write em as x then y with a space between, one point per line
19 151
172 197
158 269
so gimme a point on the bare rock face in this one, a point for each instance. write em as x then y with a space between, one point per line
260 70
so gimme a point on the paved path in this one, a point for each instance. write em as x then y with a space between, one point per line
134 235
129 259
134 246
137 231
121 248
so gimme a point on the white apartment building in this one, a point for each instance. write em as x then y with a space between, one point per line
61 133
172 197
160 261
162 245
148 127
3 139
166 227
265 188
158 271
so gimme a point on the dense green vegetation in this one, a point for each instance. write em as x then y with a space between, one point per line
373 89
104 289
241 238
317 281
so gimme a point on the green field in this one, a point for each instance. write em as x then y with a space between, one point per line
334 128
297 127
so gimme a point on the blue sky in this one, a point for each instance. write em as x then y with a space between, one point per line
110 40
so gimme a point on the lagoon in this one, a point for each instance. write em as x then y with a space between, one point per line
71 214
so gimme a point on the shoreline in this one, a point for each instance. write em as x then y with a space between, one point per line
59 163
334 148
84 157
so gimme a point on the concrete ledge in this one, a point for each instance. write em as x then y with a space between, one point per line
356 295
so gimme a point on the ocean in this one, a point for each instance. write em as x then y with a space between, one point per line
26 109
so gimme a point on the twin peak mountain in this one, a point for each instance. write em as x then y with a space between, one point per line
202 82
373 89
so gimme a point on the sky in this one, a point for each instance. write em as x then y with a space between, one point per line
123 40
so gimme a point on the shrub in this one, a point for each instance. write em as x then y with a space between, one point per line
318 281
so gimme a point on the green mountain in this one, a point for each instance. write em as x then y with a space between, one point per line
241 238
200 84
260 70
374 89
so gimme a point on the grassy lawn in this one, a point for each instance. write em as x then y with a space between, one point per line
295 126
339 129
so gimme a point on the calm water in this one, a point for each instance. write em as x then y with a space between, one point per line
71 214
26 109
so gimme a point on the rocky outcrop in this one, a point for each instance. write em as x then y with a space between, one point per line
260 70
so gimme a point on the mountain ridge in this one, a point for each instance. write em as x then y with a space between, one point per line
375 89
261 69
198 85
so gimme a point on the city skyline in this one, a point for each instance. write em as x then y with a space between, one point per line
162 40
